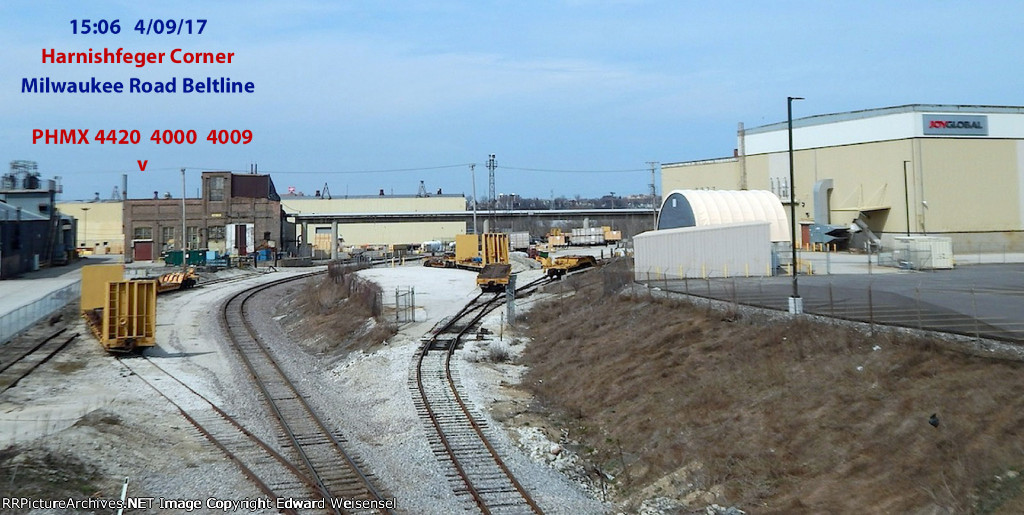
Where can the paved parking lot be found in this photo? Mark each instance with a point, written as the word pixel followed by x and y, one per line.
pixel 985 300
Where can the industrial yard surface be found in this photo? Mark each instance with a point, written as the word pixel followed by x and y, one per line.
pixel 604 401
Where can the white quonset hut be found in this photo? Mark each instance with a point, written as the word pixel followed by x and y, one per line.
pixel 727 250
pixel 939 170
pixel 701 208
pixel 705 233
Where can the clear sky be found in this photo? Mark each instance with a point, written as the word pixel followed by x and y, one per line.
pixel 370 95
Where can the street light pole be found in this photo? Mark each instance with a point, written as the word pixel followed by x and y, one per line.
pixel 906 195
pixel 796 304
pixel 184 242
pixel 85 227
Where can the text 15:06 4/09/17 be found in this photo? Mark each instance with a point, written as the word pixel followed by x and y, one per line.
pixel 145 27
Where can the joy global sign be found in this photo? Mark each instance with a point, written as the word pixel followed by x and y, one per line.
pixel 955 125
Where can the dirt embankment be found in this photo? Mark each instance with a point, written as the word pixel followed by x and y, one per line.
pixel 335 314
pixel 697 406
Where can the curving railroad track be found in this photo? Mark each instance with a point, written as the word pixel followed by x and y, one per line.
pixel 459 439
pixel 312 463
pixel 321 452
pixel 273 473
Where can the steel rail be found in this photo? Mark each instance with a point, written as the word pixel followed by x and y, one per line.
pixel 237 305
pixel 6 384
pixel 482 310
pixel 209 435
pixel 228 418
pixel 30 350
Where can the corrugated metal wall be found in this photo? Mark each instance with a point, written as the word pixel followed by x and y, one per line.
pixel 696 252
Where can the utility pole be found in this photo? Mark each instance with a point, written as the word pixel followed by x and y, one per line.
pixel 472 177
pixel 741 151
pixel 654 194
pixel 491 165
pixel 184 243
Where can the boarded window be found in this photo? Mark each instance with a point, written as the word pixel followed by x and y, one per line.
pixel 216 232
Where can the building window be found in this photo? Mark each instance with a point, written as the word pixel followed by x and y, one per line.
pixel 216 188
pixel 143 233
pixel 166 235
pixel 193 237
pixel 216 232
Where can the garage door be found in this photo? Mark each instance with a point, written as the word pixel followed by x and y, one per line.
pixel 143 250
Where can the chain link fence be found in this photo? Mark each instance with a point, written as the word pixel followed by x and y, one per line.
pixel 976 306
pixel 405 305
pixel 13 323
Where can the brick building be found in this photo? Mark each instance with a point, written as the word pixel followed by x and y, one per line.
pixel 236 214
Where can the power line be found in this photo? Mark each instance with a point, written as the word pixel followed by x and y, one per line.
pixel 392 170
pixel 353 172
pixel 548 170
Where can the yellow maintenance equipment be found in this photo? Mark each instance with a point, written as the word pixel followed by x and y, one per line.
pixel 470 254
pixel 494 277
pixel 495 248
pixel 558 266
pixel 467 251
pixel 94 280
pixel 122 314
pixel 174 281
pixel 611 236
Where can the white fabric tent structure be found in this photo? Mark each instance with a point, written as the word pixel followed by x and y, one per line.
pixel 702 208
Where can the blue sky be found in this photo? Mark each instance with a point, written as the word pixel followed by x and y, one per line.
pixel 347 93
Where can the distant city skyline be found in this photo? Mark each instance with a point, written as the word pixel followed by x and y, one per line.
pixel 574 97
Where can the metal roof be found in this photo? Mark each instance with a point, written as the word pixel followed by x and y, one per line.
pixel 822 119
pixel 10 213
pixel 437 216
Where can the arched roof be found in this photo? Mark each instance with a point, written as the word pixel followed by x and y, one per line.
pixel 700 208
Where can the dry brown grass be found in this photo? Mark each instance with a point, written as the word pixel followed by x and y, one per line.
pixel 40 474
pixel 775 417
pixel 336 314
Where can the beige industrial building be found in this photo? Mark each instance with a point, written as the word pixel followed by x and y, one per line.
pixel 941 170
pixel 384 233
pixel 100 228
pixel 101 224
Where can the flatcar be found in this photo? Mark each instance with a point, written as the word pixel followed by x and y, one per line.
pixel 494 277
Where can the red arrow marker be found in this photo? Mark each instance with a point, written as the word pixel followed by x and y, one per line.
pixel 142 165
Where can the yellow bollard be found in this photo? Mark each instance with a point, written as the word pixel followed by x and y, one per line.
pixel 703 271
pixel 725 270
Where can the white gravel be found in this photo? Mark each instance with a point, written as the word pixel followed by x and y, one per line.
pixel 366 396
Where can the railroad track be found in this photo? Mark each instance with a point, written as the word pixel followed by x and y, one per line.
pixel 321 452
pixel 459 439
pixel 273 473
pixel 21 360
